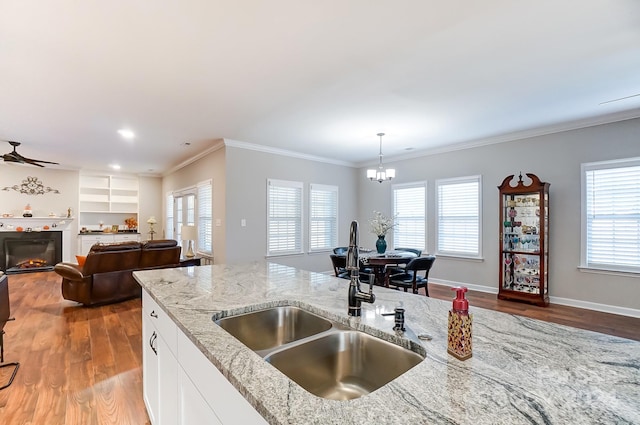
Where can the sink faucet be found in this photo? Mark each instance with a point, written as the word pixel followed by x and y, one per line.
pixel 356 296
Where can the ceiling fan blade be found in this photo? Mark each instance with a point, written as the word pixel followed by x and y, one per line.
pixel 32 162
pixel 9 157
pixel 16 157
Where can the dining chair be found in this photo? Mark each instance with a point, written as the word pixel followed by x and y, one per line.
pixel 418 252
pixel 339 263
pixel 411 278
pixel 399 268
pixel 4 318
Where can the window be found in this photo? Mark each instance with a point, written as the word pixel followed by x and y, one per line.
pixel 191 206
pixel 284 222
pixel 205 217
pixel 409 209
pixel 458 219
pixel 323 217
pixel 169 220
pixel 611 215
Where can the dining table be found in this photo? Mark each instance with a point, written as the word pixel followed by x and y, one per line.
pixel 382 263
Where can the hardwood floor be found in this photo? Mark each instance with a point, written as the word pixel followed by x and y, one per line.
pixel 77 365
pixel 82 366
pixel 607 323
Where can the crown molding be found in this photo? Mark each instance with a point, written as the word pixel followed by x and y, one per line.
pixel 514 136
pixel 284 152
pixel 219 144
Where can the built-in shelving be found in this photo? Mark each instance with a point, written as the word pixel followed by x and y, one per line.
pixel 107 199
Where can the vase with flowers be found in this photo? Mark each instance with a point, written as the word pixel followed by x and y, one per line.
pixel 380 225
pixel 132 223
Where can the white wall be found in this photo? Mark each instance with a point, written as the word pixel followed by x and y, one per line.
pixel 13 202
pixel 554 158
pixel 150 204
pixel 247 174
pixel 211 166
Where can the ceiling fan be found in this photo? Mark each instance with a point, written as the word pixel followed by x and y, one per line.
pixel 17 158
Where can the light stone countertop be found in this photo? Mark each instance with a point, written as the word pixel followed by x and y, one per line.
pixel 523 371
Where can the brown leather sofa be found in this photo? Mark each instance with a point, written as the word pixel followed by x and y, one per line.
pixel 107 274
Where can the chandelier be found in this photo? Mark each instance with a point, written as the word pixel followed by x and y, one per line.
pixel 380 174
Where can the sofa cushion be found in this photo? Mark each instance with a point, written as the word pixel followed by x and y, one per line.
pixel 118 246
pixel 104 258
pixel 160 253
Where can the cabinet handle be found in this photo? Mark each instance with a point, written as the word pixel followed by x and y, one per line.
pixel 152 340
pixel 153 314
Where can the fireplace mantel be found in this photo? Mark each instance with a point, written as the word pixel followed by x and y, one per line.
pixel 56 224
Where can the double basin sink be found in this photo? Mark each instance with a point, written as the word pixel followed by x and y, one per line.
pixel 325 358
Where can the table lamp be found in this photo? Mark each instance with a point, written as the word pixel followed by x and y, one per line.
pixel 189 234
pixel 152 220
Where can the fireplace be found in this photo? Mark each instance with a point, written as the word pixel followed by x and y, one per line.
pixel 24 252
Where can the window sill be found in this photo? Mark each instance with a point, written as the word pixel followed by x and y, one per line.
pixel 459 257
pixel 610 272
pixel 286 254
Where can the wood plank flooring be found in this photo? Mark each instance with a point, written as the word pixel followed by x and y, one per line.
pixel 77 365
pixel 82 366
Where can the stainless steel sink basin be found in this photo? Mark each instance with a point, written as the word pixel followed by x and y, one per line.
pixel 274 327
pixel 343 365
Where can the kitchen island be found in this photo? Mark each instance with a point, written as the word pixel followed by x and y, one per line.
pixel 522 371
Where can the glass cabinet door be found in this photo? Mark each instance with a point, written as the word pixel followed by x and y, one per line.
pixel 523 252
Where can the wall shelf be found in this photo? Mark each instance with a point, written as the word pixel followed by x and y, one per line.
pixel 109 199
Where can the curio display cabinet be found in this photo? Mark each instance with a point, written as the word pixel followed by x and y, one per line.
pixel 524 243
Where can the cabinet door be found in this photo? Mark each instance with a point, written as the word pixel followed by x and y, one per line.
pixel 150 370
pixel 89 241
pixel 193 408
pixel 223 398
pixel 167 384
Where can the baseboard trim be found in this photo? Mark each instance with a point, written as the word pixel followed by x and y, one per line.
pixel 605 308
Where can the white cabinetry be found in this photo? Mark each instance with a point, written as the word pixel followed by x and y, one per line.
pixel 107 198
pixel 160 366
pixel 191 390
pixel 85 242
pixel 194 409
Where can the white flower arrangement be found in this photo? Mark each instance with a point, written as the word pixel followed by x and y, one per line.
pixel 381 224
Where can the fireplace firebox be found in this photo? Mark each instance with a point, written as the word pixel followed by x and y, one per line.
pixel 23 252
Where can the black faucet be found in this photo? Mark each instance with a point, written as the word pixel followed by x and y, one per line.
pixel 356 296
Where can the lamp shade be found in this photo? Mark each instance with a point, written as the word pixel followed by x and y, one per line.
pixel 152 220
pixel 189 233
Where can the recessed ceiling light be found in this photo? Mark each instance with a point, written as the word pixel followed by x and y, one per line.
pixel 126 134
pixel 114 166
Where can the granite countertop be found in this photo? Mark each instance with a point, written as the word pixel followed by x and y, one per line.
pixel 523 371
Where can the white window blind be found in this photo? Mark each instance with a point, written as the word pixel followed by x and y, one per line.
pixel 323 217
pixel 205 217
pixel 459 216
pixel 284 222
pixel 169 220
pixel 611 217
pixel 409 208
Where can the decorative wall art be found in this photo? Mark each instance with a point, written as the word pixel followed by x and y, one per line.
pixel 32 186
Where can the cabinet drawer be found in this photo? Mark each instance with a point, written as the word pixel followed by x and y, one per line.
pixel 160 320
pixel 124 238
pixel 98 238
